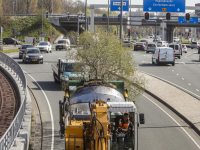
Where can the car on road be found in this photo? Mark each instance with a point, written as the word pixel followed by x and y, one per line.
pixel 45 47
pixel 144 41
pixel 151 48
pixel 140 46
pixel 155 39
pixel 135 38
pixel 162 43
pixel 151 36
pixel 129 43
pixel 62 44
pixel 195 45
pixel 177 49
pixel 32 55
pixel 163 55
pixel 10 41
pixel 23 48
pixel 181 48
pixel 176 39
pixel 184 48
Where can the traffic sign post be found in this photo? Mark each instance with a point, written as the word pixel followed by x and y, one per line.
pixel 115 5
pixel 177 6
pixel 193 20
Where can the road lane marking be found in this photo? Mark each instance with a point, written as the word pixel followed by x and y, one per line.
pixel 173 70
pixel 182 78
pixel 169 67
pixel 51 114
pixel 174 121
pixel 177 74
pixel 189 84
pixel 197 90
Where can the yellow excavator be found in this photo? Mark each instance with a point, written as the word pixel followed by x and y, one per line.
pixel 90 114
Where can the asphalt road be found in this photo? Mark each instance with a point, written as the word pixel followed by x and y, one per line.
pixel 160 131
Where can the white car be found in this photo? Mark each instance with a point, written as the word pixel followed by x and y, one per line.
pixel 177 49
pixel 62 44
pixel 176 39
pixel 163 55
pixel 162 43
pixel 151 36
pixel 45 47
pixel 184 48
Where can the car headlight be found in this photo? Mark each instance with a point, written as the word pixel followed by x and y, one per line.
pixel 27 56
pixel 41 56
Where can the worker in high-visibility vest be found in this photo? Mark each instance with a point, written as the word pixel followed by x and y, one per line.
pixel 124 125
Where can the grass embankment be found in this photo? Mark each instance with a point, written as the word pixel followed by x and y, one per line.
pixel 10 50
pixel 29 26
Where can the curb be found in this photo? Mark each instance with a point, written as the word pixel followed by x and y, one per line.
pixel 169 106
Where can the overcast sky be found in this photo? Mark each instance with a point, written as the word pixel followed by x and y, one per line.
pixel 138 2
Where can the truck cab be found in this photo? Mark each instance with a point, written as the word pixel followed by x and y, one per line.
pixel 65 70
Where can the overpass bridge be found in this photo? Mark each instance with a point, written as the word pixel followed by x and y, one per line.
pixel 167 25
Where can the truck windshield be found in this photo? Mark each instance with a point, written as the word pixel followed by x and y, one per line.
pixel 68 67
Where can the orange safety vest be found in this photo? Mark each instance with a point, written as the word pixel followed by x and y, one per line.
pixel 124 125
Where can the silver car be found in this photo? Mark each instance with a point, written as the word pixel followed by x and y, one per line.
pixel 195 45
pixel 151 48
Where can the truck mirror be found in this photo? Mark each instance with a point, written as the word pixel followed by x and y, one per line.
pixel 142 120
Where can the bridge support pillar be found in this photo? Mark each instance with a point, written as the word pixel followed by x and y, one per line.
pixel 170 34
pixel 163 26
pixel 92 20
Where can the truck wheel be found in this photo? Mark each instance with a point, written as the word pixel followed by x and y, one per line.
pixel 179 57
pixel 191 48
pixel 173 64
pixel 157 63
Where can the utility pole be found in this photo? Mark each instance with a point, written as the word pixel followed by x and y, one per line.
pixel 85 15
pixel 108 15
pixel 121 19
pixel 52 8
pixel 13 8
pixel 15 21
pixel 78 31
pixel 42 17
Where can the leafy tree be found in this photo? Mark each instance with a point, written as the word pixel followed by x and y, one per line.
pixel 107 59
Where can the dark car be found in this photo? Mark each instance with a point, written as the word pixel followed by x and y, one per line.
pixel 23 48
pixel 145 41
pixel 32 55
pixel 10 41
pixel 139 46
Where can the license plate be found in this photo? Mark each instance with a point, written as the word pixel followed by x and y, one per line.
pixel 163 59
pixel 60 47
pixel 34 60
pixel 139 46
pixel 41 49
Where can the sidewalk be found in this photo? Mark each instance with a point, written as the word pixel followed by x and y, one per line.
pixel 185 105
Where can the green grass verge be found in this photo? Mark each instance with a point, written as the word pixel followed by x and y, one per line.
pixel 10 50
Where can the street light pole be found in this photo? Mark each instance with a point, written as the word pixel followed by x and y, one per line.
pixel 15 21
pixel 42 16
pixel 108 15
pixel 121 20
pixel 52 7
pixel 13 8
pixel 78 31
pixel 85 15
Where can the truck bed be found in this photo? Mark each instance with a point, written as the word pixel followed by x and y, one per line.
pixel 55 68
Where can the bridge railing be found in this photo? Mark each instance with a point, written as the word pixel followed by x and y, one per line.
pixel 9 136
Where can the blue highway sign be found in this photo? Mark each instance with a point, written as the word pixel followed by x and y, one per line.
pixel 177 6
pixel 115 5
pixel 193 20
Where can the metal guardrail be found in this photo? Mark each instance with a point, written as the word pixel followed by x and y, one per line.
pixel 9 136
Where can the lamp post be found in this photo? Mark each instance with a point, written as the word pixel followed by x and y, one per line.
pixel 52 7
pixel 85 15
pixel 42 16
pixel 78 30
pixel 15 21
pixel 108 16
pixel 13 8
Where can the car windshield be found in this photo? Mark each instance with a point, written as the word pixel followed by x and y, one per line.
pixel 194 42
pixel 139 43
pixel 62 41
pixel 174 47
pixel 151 45
pixel 26 46
pixel 33 51
pixel 68 67
pixel 43 43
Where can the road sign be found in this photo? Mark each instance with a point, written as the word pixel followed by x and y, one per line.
pixel 177 6
pixel 193 20
pixel 115 5
pixel 151 21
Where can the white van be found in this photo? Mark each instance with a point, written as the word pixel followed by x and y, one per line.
pixel 162 43
pixel 177 49
pixel 62 44
pixel 163 55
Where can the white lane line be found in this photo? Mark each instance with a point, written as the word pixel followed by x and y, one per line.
pixel 182 78
pixel 173 70
pixel 189 84
pixel 197 90
pixel 174 121
pixel 51 114
pixel 199 65
pixel 169 67
pixel 177 74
